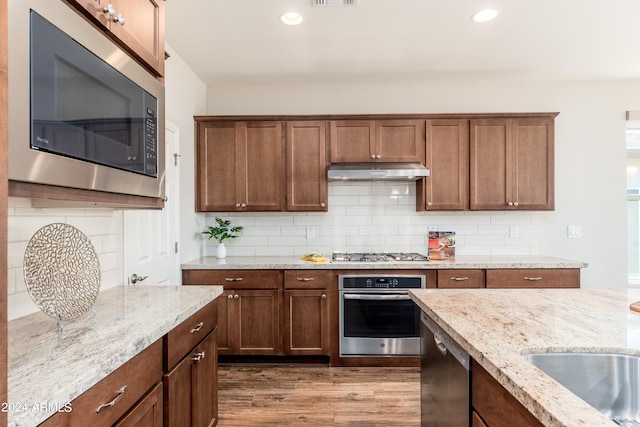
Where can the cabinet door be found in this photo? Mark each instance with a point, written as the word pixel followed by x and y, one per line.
pixel 534 278
pixel 306 166
pixel 512 164
pixel 400 141
pixel 142 30
pixel 491 170
pixel 216 167
pixel 257 322
pixel 306 322
pixel 147 412
pixel 261 156
pixel 190 388
pixel 533 155
pixel 447 158
pixel 224 337
pixel 352 141
pixel 205 357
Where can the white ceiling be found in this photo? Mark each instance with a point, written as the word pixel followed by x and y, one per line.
pixel 243 41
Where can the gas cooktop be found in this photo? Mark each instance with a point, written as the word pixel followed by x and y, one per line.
pixel 377 257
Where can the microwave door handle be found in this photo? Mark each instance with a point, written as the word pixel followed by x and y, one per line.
pixel 394 297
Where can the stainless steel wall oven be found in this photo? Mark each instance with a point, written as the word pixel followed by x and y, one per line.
pixel 377 316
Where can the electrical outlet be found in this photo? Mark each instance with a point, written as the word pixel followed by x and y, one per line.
pixel 311 232
pixel 574 231
pixel 514 231
pixel 433 228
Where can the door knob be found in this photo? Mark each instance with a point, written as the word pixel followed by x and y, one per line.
pixel 135 278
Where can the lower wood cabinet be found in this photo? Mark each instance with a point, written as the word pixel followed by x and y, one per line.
pixel 191 387
pixel 306 312
pixel 493 405
pixel 117 394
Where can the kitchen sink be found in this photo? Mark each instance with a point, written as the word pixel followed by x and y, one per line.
pixel 607 381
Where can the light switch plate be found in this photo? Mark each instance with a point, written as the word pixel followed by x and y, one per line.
pixel 514 231
pixel 311 232
pixel 433 228
pixel 574 231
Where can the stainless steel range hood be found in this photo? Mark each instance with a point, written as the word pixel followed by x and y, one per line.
pixel 376 172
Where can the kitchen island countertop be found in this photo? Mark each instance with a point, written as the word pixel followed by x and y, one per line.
pixel 293 262
pixel 497 326
pixel 47 368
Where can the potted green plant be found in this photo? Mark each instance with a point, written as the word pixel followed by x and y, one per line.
pixel 221 232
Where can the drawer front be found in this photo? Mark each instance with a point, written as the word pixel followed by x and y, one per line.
pixel 461 278
pixel 534 278
pixel 234 279
pixel 184 337
pixel 306 279
pixel 123 387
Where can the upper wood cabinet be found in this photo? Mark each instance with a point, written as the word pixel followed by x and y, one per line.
pixel 512 164
pixel 239 166
pixel 138 26
pixel 447 158
pixel 377 140
pixel 306 166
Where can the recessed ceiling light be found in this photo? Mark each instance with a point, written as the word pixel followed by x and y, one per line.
pixel 485 15
pixel 291 18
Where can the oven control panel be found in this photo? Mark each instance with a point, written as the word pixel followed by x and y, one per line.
pixel 357 281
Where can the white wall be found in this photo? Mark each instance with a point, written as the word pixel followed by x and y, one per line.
pixel 185 97
pixel 590 145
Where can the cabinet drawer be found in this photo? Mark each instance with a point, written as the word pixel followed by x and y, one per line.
pixel 236 279
pixel 184 337
pixel 461 278
pixel 534 278
pixel 306 279
pixel 124 387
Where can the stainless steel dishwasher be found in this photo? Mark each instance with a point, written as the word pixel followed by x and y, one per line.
pixel 444 378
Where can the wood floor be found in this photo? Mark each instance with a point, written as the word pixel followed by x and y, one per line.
pixel 318 395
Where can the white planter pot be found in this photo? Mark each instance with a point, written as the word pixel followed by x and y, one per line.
pixel 221 251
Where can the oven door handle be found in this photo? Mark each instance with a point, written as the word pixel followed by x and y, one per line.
pixel 395 297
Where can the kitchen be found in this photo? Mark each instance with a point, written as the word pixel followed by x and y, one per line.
pixel 591 115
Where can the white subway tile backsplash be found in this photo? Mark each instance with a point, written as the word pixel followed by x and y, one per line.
pixel 379 217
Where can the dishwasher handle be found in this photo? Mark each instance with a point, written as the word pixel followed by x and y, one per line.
pixel 374 297
pixel 440 345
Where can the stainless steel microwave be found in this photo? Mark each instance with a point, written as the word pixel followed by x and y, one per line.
pixel 82 113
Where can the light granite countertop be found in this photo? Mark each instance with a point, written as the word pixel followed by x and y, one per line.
pixel 291 263
pixel 498 326
pixel 45 367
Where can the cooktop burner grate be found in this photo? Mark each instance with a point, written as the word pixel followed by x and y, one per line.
pixel 377 257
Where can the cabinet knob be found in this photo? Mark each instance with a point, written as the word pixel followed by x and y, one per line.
pixel 515 204
pixel 323 296
pixel 429 203
pixel 322 205
pixel 510 204
pixel 119 19
pixel 373 156
pixel 237 205
pixel 230 296
pixel 378 156
pixel 236 296
pixel 243 205
pixel 109 10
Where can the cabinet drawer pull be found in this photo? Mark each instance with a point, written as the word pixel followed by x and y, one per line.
pixel 305 279
pixel 459 279
pixel 233 279
pixel 114 401
pixel 533 279
pixel 323 296
pixel 197 328
pixel 198 356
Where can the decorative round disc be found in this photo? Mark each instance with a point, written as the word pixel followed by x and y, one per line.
pixel 62 271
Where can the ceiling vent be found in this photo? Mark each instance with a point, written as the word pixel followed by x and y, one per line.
pixel 335 2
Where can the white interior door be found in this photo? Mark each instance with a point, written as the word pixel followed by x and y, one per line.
pixel 151 236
